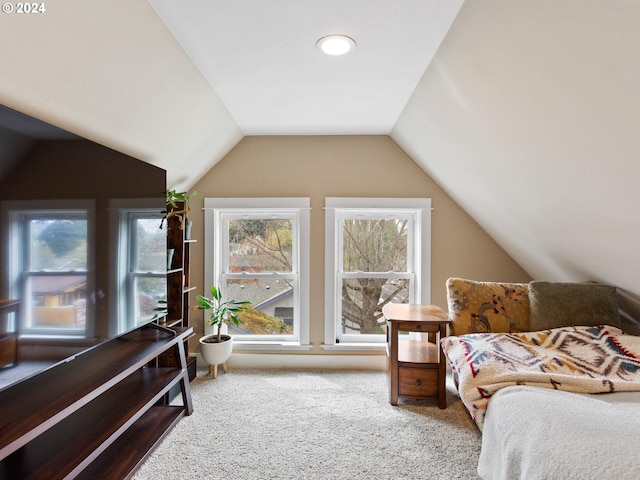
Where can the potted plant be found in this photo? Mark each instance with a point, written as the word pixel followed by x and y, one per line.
pixel 216 348
pixel 161 310
pixel 178 205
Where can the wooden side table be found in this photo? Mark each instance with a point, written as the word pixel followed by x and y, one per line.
pixel 416 366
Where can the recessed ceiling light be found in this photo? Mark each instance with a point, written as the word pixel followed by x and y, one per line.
pixel 336 44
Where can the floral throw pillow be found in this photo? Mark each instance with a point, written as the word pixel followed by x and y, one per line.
pixel 483 307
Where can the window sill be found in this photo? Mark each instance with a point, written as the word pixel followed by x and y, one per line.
pixel 356 347
pixel 269 346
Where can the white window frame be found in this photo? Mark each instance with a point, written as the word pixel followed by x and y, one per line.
pixel 20 211
pixel 123 213
pixel 418 259
pixel 216 211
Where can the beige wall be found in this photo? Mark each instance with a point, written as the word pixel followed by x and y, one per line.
pixel 347 166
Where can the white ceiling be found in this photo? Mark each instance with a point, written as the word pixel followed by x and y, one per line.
pixel 260 58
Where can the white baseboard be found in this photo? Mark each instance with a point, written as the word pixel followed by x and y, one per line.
pixel 274 360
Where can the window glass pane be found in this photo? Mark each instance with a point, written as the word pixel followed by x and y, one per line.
pixel 151 246
pixel 363 299
pixel 375 245
pixel 147 292
pixel 260 245
pixel 58 301
pixel 272 306
pixel 260 251
pixel 57 244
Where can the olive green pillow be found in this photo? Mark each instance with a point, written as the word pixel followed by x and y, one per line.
pixel 553 305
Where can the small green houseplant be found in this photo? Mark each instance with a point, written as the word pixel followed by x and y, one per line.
pixel 221 312
pixel 174 199
pixel 216 348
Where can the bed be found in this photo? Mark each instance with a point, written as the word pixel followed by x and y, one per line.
pixel 549 377
pixel 537 433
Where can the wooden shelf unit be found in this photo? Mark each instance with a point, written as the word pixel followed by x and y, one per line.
pixel 98 414
pixel 179 279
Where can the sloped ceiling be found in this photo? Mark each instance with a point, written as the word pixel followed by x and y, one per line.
pixel 261 58
pixel 527 115
pixel 111 72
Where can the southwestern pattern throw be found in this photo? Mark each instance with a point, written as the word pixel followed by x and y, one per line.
pixel 597 359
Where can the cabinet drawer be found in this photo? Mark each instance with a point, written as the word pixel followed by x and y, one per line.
pixel 418 382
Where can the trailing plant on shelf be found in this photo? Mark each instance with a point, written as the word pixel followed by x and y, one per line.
pixel 178 205
pixel 161 310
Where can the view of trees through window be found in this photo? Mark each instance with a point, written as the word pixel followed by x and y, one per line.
pixel 56 269
pixel 262 250
pixel 58 244
pixel 374 266
pixel 148 265
pixel 261 244
pixel 374 257
pixel 56 275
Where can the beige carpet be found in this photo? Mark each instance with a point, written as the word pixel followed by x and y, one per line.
pixel 280 424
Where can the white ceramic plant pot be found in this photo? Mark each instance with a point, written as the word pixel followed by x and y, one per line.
pixel 216 353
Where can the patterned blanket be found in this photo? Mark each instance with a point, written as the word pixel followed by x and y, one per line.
pixel 598 359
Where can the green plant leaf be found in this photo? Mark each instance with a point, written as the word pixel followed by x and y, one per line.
pixel 222 312
pixel 215 292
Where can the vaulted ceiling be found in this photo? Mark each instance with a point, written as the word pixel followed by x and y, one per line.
pixel 261 59
pixel 527 113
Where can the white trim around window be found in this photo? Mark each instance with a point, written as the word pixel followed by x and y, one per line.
pixel 21 271
pixel 215 210
pixel 122 216
pixel 418 256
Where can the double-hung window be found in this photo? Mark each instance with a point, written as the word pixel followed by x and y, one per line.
pixel 51 259
pixel 377 251
pixel 257 249
pixel 142 265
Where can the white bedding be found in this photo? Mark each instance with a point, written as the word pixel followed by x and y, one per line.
pixel 537 433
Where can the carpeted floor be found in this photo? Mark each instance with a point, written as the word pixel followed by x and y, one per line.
pixel 280 424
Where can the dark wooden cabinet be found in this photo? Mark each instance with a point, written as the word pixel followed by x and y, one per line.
pixel 97 415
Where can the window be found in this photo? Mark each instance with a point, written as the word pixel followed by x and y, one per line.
pixel 147 272
pixel 258 250
pixel 51 267
pixel 142 260
pixel 377 251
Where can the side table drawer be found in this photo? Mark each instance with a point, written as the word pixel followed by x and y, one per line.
pixel 418 382
pixel 413 327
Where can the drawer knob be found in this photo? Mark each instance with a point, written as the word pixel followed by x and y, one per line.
pixel 418 383
pixel 419 327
